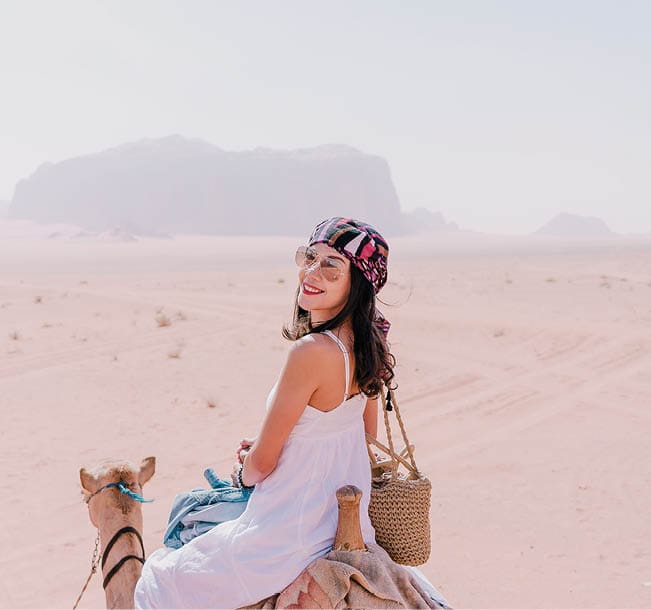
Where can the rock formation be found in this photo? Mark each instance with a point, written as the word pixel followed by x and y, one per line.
pixel 573 225
pixel 422 220
pixel 178 185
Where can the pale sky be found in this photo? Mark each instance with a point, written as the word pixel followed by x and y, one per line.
pixel 498 114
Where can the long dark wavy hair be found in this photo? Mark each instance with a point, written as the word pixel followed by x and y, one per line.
pixel 373 361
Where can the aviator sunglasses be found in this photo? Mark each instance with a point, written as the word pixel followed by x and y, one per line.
pixel 331 268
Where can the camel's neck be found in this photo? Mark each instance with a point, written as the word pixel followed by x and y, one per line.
pixel 119 591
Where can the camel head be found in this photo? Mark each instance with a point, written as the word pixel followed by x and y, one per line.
pixel 113 492
pixel 106 502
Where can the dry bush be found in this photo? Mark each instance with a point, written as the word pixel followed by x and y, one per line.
pixel 499 332
pixel 550 279
pixel 14 335
pixel 38 299
pixel 162 319
pixel 181 315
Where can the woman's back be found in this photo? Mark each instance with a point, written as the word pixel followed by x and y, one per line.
pixel 290 520
pixel 329 395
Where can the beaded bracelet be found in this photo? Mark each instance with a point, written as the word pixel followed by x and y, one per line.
pixel 239 479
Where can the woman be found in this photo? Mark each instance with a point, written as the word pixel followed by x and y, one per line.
pixel 312 440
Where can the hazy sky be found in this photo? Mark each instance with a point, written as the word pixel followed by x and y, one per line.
pixel 498 114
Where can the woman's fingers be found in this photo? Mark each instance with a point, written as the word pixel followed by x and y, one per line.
pixel 245 445
pixel 241 455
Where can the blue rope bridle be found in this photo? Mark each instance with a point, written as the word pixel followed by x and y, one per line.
pixel 122 486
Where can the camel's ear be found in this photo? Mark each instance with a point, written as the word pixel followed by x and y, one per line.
pixel 147 469
pixel 88 481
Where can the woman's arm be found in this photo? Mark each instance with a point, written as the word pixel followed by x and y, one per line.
pixel 370 417
pixel 298 380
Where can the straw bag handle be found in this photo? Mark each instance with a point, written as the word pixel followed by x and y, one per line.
pixel 388 401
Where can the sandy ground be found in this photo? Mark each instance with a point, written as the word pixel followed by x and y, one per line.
pixel 524 373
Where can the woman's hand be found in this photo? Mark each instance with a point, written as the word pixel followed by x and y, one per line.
pixel 243 449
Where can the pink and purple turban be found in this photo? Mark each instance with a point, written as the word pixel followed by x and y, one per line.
pixel 363 246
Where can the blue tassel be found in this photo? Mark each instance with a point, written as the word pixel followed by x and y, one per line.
pixel 125 490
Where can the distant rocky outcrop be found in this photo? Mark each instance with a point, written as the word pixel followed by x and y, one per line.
pixel 573 225
pixel 422 220
pixel 116 235
pixel 178 185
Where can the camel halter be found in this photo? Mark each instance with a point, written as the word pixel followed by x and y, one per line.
pixel 124 489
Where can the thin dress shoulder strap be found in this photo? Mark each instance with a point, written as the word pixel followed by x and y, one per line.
pixel 343 349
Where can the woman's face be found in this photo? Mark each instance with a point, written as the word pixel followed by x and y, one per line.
pixel 330 301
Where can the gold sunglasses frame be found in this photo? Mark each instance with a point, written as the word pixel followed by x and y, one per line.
pixel 334 266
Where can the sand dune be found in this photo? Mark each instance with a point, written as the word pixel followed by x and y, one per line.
pixel 524 380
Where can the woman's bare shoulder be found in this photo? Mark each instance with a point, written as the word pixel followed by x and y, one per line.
pixel 314 348
pixel 312 341
pixel 305 360
pixel 308 347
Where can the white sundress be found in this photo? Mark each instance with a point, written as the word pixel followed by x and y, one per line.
pixel 290 519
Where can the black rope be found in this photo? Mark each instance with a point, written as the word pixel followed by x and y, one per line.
pixel 117 566
pixel 109 546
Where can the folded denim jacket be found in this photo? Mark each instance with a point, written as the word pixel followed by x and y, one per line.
pixel 199 510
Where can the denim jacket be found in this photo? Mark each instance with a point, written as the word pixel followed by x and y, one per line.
pixel 195 512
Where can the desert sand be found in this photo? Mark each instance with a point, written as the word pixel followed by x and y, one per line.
pixel 524 372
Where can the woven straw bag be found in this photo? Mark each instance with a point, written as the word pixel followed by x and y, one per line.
pixel 400 501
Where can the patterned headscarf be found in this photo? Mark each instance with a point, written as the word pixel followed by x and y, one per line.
pixel 363 246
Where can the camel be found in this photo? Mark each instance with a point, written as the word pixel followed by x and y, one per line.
pixel 118 517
